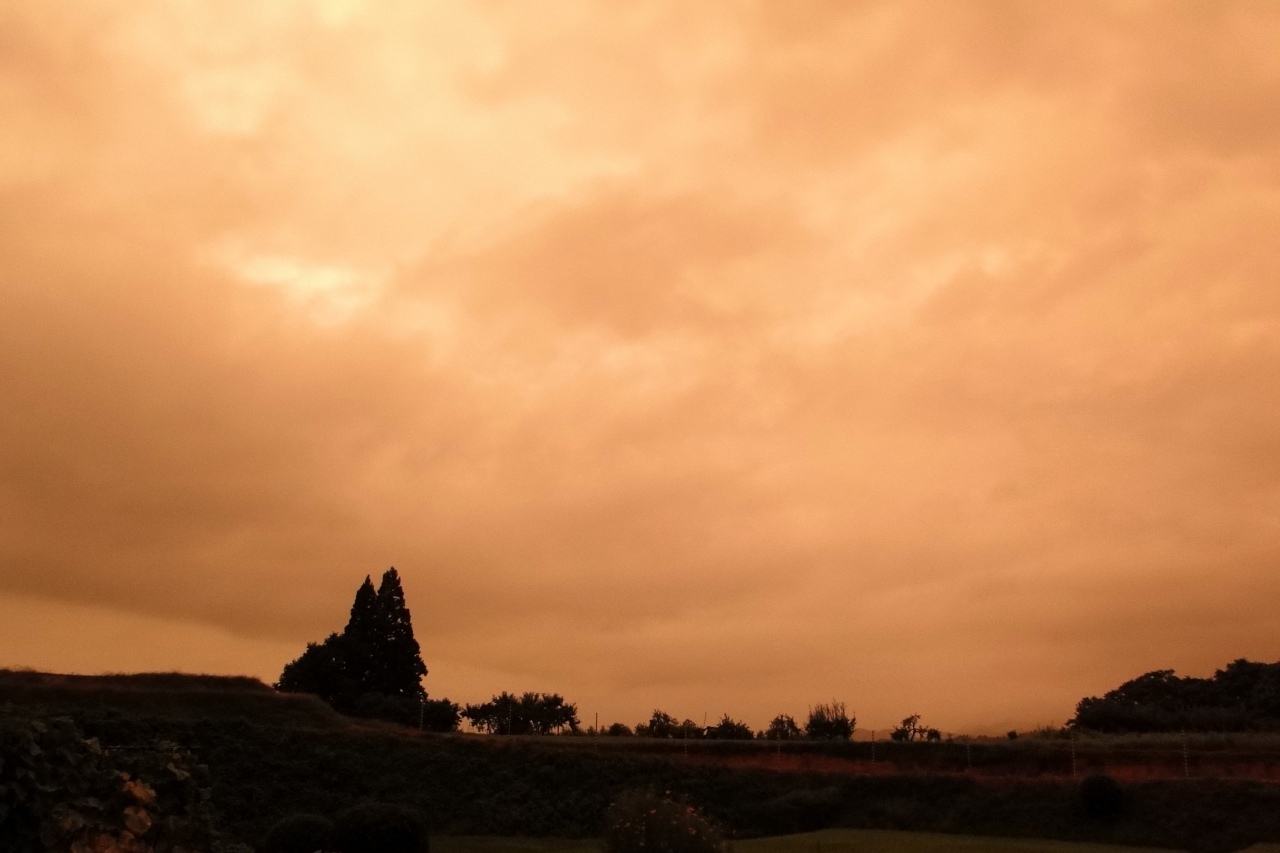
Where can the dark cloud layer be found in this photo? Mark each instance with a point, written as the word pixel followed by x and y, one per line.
pixel 722 358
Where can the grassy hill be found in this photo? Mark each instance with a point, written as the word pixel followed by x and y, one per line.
pixel 270 755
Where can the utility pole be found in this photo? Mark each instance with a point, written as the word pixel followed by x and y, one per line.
pixel 422 711
pixel 1186 759
pixel 873 744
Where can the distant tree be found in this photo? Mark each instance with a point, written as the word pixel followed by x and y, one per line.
pixel 689 730
pixel 1244 696
pixel 1013 735
pixel 619 730
pixel 660 725
pixel 529 714
pixel 374 667
pixel 911 729
pixel 829 722
pixel 782 727
pixel 729 729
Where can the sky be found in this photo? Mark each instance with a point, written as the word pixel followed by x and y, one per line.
pixel 716 357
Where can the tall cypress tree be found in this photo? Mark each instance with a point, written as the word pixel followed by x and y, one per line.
pixel 399 665
pixel 361 640
pixel 375 654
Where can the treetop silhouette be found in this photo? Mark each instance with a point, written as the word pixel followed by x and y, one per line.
pixel 374 660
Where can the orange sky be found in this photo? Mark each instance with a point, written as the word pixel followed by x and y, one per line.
pixel 712 357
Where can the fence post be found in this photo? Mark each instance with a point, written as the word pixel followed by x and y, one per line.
pixel 1186 759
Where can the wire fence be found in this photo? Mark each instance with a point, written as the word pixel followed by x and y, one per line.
pixel 1137 757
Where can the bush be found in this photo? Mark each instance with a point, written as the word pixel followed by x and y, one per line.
pixel 645 822
pixel 59 791
pixel 379 828
pixel 829 722
pixel 1101 797
pixel 434 715
pixel 299 833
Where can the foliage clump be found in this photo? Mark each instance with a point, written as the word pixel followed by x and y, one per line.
pixel 648 822
pixel 782 727
pixel 1245 696
pixel 729 729
pixel 529 714
pixel 374 667
pixel 1101 797
pixel 911 729
pixel 299 833
pixel 663 725
pixel 380 828
pixel 829 721
pixel 62 792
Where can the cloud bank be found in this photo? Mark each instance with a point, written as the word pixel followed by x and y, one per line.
pixel 716 358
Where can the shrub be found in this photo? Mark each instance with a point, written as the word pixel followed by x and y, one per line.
pixel 299 833
pixel 730 729
pixel 829 722
pixel 782 727
pixel 646 822
pixel 379 828
pixel 1101 797
pixel 61 792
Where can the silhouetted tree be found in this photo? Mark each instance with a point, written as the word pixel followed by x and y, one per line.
pixel 322 669
pixel 782 727
pixel 619 730
pixel 530 714
pixel 689 730
pixel 661 724
pixel 1244 696
pixel 398 658
pixel 829 722
pixel 729 729
pixel 912 729
pixel 374 667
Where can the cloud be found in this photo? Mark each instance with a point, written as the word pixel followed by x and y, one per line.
pixel 921 355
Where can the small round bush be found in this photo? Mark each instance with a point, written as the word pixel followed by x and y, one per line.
pixel 379 828
pixel 1101 797
pixel 647 822
pixel 299 833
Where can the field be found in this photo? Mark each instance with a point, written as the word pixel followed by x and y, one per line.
pixel 826 841
pixel 269 755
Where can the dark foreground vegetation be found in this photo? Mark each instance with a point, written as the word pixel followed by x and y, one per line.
pixel 263 756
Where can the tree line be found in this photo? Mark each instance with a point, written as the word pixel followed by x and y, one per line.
pixel 373 668
pixel 1243 696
